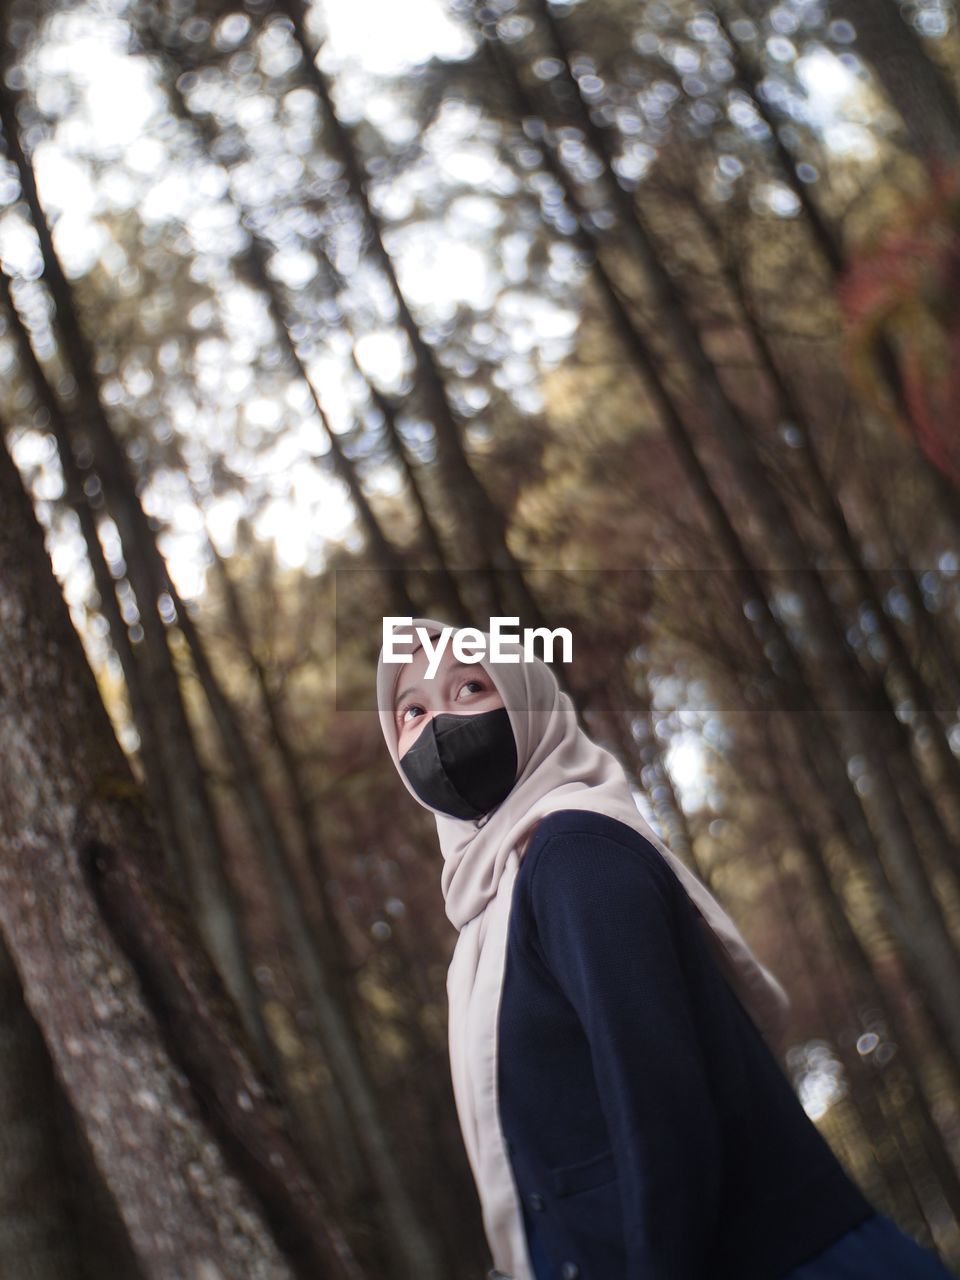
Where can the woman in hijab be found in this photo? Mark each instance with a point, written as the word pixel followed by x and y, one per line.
pixel 609 1028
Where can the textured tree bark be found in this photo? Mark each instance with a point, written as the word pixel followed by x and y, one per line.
pixel 37 1240
pixel 142 1036
pixel 71 1231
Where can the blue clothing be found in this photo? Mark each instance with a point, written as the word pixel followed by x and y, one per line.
pixel 652 1133
pixel 876 1249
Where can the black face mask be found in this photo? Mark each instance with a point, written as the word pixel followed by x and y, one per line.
pixel 463 765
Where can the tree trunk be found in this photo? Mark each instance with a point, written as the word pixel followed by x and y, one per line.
pixel 411 1238
pixel 932 723
pixel 484 525
pixel 151 757
pixel 71 1231
pixel 857 965
pixel 212 896
pixel 827 243
pixel 385 555
pixel 37 1231
pixel 131 1014
pixel 859 728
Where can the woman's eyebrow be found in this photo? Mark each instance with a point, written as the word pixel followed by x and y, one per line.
pixel 454 666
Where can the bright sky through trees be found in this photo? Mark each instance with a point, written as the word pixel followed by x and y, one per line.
pixel 109 153
pixel 110 108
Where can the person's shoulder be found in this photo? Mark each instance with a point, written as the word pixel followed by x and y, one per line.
pixel 574 845
pixel 564 825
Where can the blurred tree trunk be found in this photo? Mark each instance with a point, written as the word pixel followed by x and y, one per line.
pixel 932 723
pixel 866 711
pixel 110 970
pixel 860 729
pixel 642 754
pixel 385 555
pixel 151 758
pixel 826 240
pixel 884 1175
pixel 348 1178
pixel 254 267
pixel 442 590
pixel 216 906
pixel 767 638
pixel 320 962
pixel 858 968
pixel 932 627
pixel 212 895
pixel 319 966
pixel 749 76
pixel 483 523
pixel 917 87
pixel 442 586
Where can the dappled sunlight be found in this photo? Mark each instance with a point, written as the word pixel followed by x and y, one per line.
pixel 818 1075
pixel 386 39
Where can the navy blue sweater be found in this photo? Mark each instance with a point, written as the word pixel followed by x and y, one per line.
pixel 652 1133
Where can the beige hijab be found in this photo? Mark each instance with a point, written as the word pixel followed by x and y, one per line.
pixel 559 767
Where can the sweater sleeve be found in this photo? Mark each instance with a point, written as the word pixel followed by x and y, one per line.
pixel 607 929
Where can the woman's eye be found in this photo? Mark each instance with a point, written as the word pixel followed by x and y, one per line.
pixel 468 683
pixel 411 707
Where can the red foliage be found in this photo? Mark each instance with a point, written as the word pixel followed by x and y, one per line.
pixel 904 293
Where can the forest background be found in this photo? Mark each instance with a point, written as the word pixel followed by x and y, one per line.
pixel 640 319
